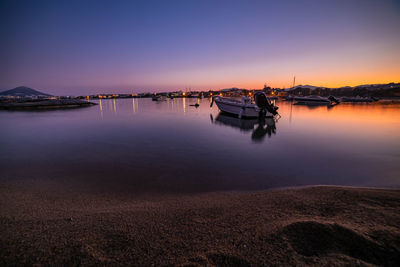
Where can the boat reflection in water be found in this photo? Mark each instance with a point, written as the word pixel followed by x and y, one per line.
pixel 260 127
pixel 266 126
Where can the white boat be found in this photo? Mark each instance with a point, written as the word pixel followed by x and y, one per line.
pixel 316 100
pixel 158 98
pixel 288 98
pixel 244 107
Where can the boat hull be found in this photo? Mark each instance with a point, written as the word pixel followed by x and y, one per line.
pixel 313 101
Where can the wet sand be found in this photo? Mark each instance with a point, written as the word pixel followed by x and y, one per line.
pixel 306 226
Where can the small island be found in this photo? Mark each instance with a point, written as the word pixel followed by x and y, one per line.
pixel 25 98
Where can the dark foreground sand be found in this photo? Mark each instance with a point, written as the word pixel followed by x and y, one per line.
pixel 309 226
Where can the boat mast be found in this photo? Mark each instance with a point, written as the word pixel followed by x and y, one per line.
pixel 294 80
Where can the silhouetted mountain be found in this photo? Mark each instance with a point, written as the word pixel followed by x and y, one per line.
pixel 23 91
pixel 310 87
pixel 368 90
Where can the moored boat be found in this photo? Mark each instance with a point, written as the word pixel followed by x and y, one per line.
pixel 316 100
pixel 245 107
pixel 158 98
pixel 288 98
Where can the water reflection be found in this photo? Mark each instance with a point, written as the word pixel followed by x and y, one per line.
pixel 101 108
pixel 170 146
pixel 260 127
pixel 266 126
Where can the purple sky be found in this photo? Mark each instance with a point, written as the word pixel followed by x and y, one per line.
pixel 84 47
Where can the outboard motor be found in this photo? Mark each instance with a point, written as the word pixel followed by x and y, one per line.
pixel 212 102
pixel 264 104
pixel 334 99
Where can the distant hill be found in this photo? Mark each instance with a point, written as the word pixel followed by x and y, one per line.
pixel 23 91
pixel 371 90
pixel 311 87
pixel 370 87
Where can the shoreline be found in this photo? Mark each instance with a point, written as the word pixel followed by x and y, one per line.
pixel 357 226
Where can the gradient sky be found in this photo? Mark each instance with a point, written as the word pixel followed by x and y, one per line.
pixel 83 47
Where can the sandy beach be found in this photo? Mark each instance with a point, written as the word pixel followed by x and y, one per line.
pixel 306 226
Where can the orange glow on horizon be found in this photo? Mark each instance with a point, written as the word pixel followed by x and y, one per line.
pixel 327 82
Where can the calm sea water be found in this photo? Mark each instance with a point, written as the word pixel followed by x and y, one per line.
pixel 141 146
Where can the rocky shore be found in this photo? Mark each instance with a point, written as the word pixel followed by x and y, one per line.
pixel 309 226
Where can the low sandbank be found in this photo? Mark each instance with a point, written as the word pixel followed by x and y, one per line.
pixel 308 226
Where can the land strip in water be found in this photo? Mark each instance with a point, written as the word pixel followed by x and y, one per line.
pixel 37 104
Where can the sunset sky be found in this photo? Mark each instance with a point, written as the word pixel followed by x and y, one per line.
pixel 82 47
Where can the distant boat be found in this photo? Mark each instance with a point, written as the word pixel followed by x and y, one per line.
pixel 158 98
pixel 245 107
pixel 358 99
pixel 289 97
pixel 194 96
pixel 316 100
